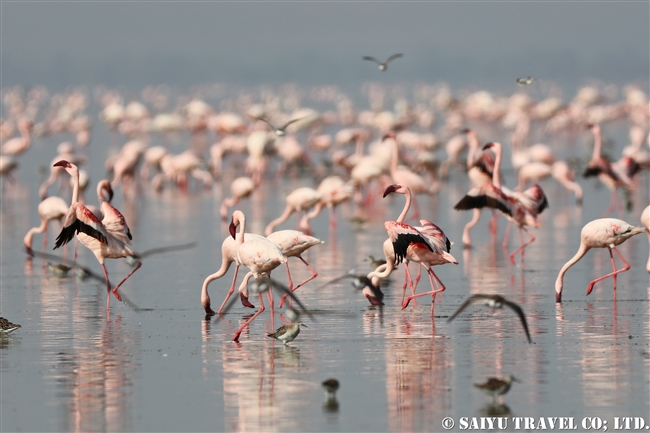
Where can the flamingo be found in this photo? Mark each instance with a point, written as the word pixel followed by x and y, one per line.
pixel 645 221
pixel 106 239
pixel 383 65
pixel 560 170
pixel 293 243
pixel 52 208
pixel 428 246
pixel 617 175
pixel 241 187
pixel 334 191
pixel 520 208
pixel 297 201
pixel 17 145
pixel 259 255
pixel 600 233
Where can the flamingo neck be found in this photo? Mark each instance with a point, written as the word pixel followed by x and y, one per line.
pixel 496 174
pixel 560 277
pixel 394 157
pixel 382 271
pixel 473 147
pixel 598 143
pixel 241 219
pixel 407 206
pixel 75 188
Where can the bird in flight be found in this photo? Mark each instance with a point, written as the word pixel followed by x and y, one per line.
pixel 494 301
pixel 279 131
pixel 383 66
pixel 525 81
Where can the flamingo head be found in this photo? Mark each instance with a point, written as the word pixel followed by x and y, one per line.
pixel 232 229
pixel 63 163
pixel 389 134
pixel 488 146
pixel 395 188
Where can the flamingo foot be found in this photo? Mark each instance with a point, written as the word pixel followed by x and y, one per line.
pixel 117 295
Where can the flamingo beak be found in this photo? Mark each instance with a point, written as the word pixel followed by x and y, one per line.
pixel 558 297
pixel 488 146
pixel 232 228
pixel 62 163
pixel 390 189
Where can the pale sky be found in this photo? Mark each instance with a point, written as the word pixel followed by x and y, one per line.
pixel 132 44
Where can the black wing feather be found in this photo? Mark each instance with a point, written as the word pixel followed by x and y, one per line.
pixel 481 201
pixel 401 244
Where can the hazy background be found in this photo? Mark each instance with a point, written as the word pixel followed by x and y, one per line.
pixel 483 44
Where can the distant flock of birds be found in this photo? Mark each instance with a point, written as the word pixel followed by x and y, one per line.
pixel 104 230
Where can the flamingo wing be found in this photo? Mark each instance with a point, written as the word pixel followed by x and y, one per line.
pixel 114 221
pixel 81 219
pixel 403 236
pixel 435 235
pixel 484 196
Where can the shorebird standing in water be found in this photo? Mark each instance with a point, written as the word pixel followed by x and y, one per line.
pixel 494 301
pixel 497 387
pixel 383 66
pixel 7 327
pixel 330 386
pixel 287 333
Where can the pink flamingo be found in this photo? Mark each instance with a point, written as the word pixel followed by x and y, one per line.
pixel 428 247
pixel 520 208
pixel 106 239
pixel 617 175
pixel 52 208
pixel 601 233
pixel 297 201
pixel 258 254
pixel 334 191
pixel 293 243
pixel 240 188
pixel 17 145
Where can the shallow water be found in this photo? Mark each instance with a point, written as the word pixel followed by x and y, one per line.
pixel 156 364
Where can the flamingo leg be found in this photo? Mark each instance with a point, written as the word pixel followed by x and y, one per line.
pixel 433 291
pixel 291 289
pixel 314 274
pixel 117 295
pixel 492 224
pixel 410 280
pixel 466 238
pixel 612 274
pixel 332 213
pixel 506 236
pixel 231 291
pixel 108 287
pixel 523 245
pixel 241 328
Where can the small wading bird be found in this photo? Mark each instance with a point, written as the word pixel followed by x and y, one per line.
pixel 601 233
pixel 7 327
pixel 497 387
pixel 287 333
pixel 494 301
pixel 383 66
pixel 279 131
pixel 106 239
pixel 330 386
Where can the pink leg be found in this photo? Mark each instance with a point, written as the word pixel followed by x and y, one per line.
pixel 231 291
pixel 467 242
pixel 291 289
pixel 410 280
pixel 506 236
pixel 117 295
pixel 330 209
pixel 238 333
pixel 523 245
pixel 613 274
pixel 108 288
pixel 433 291
pixel 314 274
pixel 492 225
